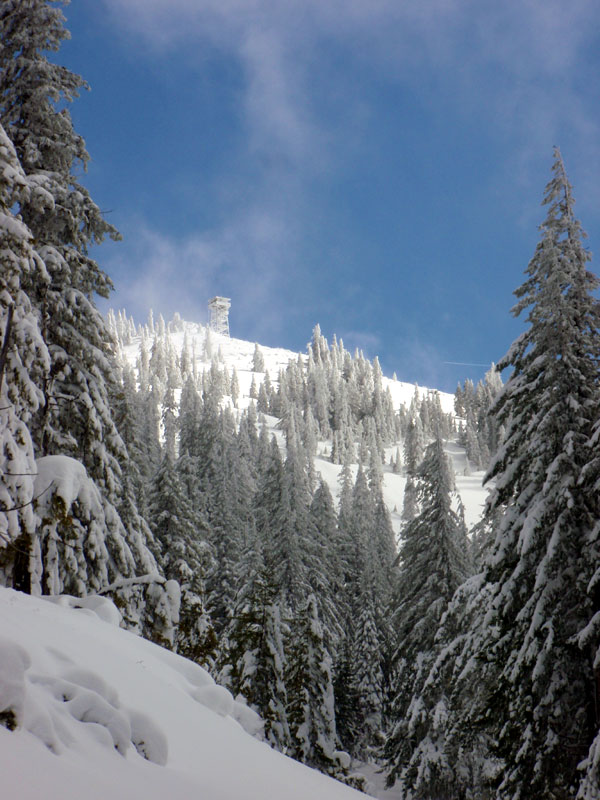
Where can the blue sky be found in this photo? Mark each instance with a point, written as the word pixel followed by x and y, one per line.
pixel 376 166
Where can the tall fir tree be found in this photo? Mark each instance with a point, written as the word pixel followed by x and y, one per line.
pixel 252 651
pixel 186 557
pixel 74 418
pixel 537 680
pixel 311 710
pixel 24 362
pixel 434 561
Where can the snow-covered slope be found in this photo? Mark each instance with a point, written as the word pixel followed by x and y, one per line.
pixel 88 710
pixel 101 713
pixel 238 354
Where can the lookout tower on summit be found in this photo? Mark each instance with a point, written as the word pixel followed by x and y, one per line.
pixel 218 311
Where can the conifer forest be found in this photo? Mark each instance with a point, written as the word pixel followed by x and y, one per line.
pixel 137 463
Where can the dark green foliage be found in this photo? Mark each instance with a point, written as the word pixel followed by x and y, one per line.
pixel 530 687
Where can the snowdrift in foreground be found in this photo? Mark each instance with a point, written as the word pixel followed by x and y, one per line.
pixel 88 710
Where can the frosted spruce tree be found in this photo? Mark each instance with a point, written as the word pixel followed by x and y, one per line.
pixel 24 363
pixel 73 418
pixel 537 698
pixel 311 711
pixel 359 684
pixel 326 575
pixel 252 660
pixel 433 563
pixel 186 557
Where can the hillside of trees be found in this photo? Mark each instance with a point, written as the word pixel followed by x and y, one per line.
pixel 463 663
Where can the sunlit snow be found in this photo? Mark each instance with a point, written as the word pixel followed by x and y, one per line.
pixel 238 354
pixel 101 713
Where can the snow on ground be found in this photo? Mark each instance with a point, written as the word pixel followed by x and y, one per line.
pixel 377 781
pixel 402 393
pixel 238 354
pixel 468 484
pixel 101 713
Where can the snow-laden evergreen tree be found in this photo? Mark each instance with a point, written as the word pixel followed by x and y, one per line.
pixel 235 388
pixel 291 553
pixel 252 662
pixel 228 510
pixel 366 673
pixel 346 699
pixel 326 572
pixel 479 433
pixel 359 684
pixel 82 547
pixel 258 360
pixel 24 363
pixel 537 696
pixel 343 425
pixel 311 711
pixel 185 556
pixel 433 563
pixel 414 443
pixel 75 416
pixel 262 398
pixel 253 393
pixel 137 467
pixel 318 346
pixel 475 459
pixel 384 549
pixel 444 755
pixel 74 419
pixel 190 410
pixel 410 506
pixel 170 422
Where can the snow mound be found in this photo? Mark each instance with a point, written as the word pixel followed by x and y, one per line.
pixel 94 605
pixel 14 661
pixel 201 686
pixel 216 698
pixel 247 718
pixel 72 706
pixel 68 479
pixel 148 739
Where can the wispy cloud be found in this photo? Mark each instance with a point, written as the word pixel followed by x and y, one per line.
pixel 365 341
pixel 512 62
pixel 242 259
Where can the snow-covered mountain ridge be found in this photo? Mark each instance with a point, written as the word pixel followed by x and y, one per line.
pixel 237 355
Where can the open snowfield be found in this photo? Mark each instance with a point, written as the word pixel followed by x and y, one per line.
pixel 91 699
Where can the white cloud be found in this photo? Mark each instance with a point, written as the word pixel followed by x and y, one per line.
pixel 244 259
pixel 515 63
pixel 277 107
